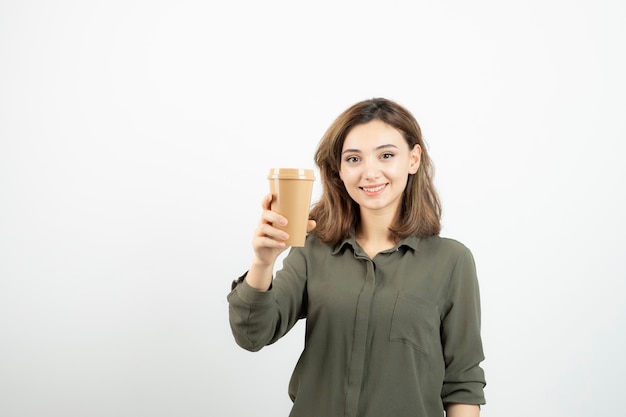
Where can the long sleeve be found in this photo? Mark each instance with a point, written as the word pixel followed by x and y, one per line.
pixel 462 345
pixel 259 318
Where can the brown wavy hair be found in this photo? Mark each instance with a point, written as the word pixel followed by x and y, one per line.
pixel 337 215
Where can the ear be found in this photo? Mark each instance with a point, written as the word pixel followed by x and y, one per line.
pixel 415 158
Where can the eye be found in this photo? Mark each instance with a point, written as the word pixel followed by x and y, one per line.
pixel 352 159
pixel 387 155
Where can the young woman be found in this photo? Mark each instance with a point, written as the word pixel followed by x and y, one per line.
pixel 392 309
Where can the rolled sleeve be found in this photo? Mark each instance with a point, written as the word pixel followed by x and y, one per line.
pixel 259 318
pixel 250 316
pixel 464 379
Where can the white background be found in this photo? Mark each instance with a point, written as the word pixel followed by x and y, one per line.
pixel 135 137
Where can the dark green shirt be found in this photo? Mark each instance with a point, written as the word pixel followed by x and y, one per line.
pixel 393 336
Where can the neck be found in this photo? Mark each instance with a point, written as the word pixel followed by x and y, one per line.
pixel 374 227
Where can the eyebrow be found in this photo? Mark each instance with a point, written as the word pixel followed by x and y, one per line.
pixel 377 148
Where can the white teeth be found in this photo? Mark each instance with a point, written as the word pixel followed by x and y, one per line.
pixel 373 190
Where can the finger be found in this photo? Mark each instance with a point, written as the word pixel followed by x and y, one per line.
pixel 310 225
pixel 268 242
pixel 266 203
pixel 267 230
pixel 273 217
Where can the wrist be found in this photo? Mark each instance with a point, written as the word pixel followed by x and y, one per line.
pixel 261 265
pixel 259 275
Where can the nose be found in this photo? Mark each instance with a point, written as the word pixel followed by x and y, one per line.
pixel 371 169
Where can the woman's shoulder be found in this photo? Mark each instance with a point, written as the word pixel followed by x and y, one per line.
pixel 442 244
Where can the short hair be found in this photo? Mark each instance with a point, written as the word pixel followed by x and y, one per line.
pixel 337 215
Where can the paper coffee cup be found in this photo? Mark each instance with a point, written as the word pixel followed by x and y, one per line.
pixel 291 189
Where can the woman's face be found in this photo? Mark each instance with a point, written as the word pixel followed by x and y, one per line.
pixel 375 164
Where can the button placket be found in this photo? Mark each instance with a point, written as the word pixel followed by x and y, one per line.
pixel 361 324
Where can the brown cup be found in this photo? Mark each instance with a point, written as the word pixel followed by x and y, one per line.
pixel 291 190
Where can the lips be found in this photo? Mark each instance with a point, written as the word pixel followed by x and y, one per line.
pixel 373 189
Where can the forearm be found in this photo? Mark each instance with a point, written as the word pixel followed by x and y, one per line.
pixel 259 276
pixel 462 410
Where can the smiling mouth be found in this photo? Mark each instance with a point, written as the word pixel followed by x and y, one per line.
pixel 373 189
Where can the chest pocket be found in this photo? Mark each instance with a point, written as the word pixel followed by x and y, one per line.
pixel 416 323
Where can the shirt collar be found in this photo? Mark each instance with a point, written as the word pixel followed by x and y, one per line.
pixel 410 242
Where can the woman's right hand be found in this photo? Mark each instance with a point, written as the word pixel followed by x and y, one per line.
pixel 268 242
